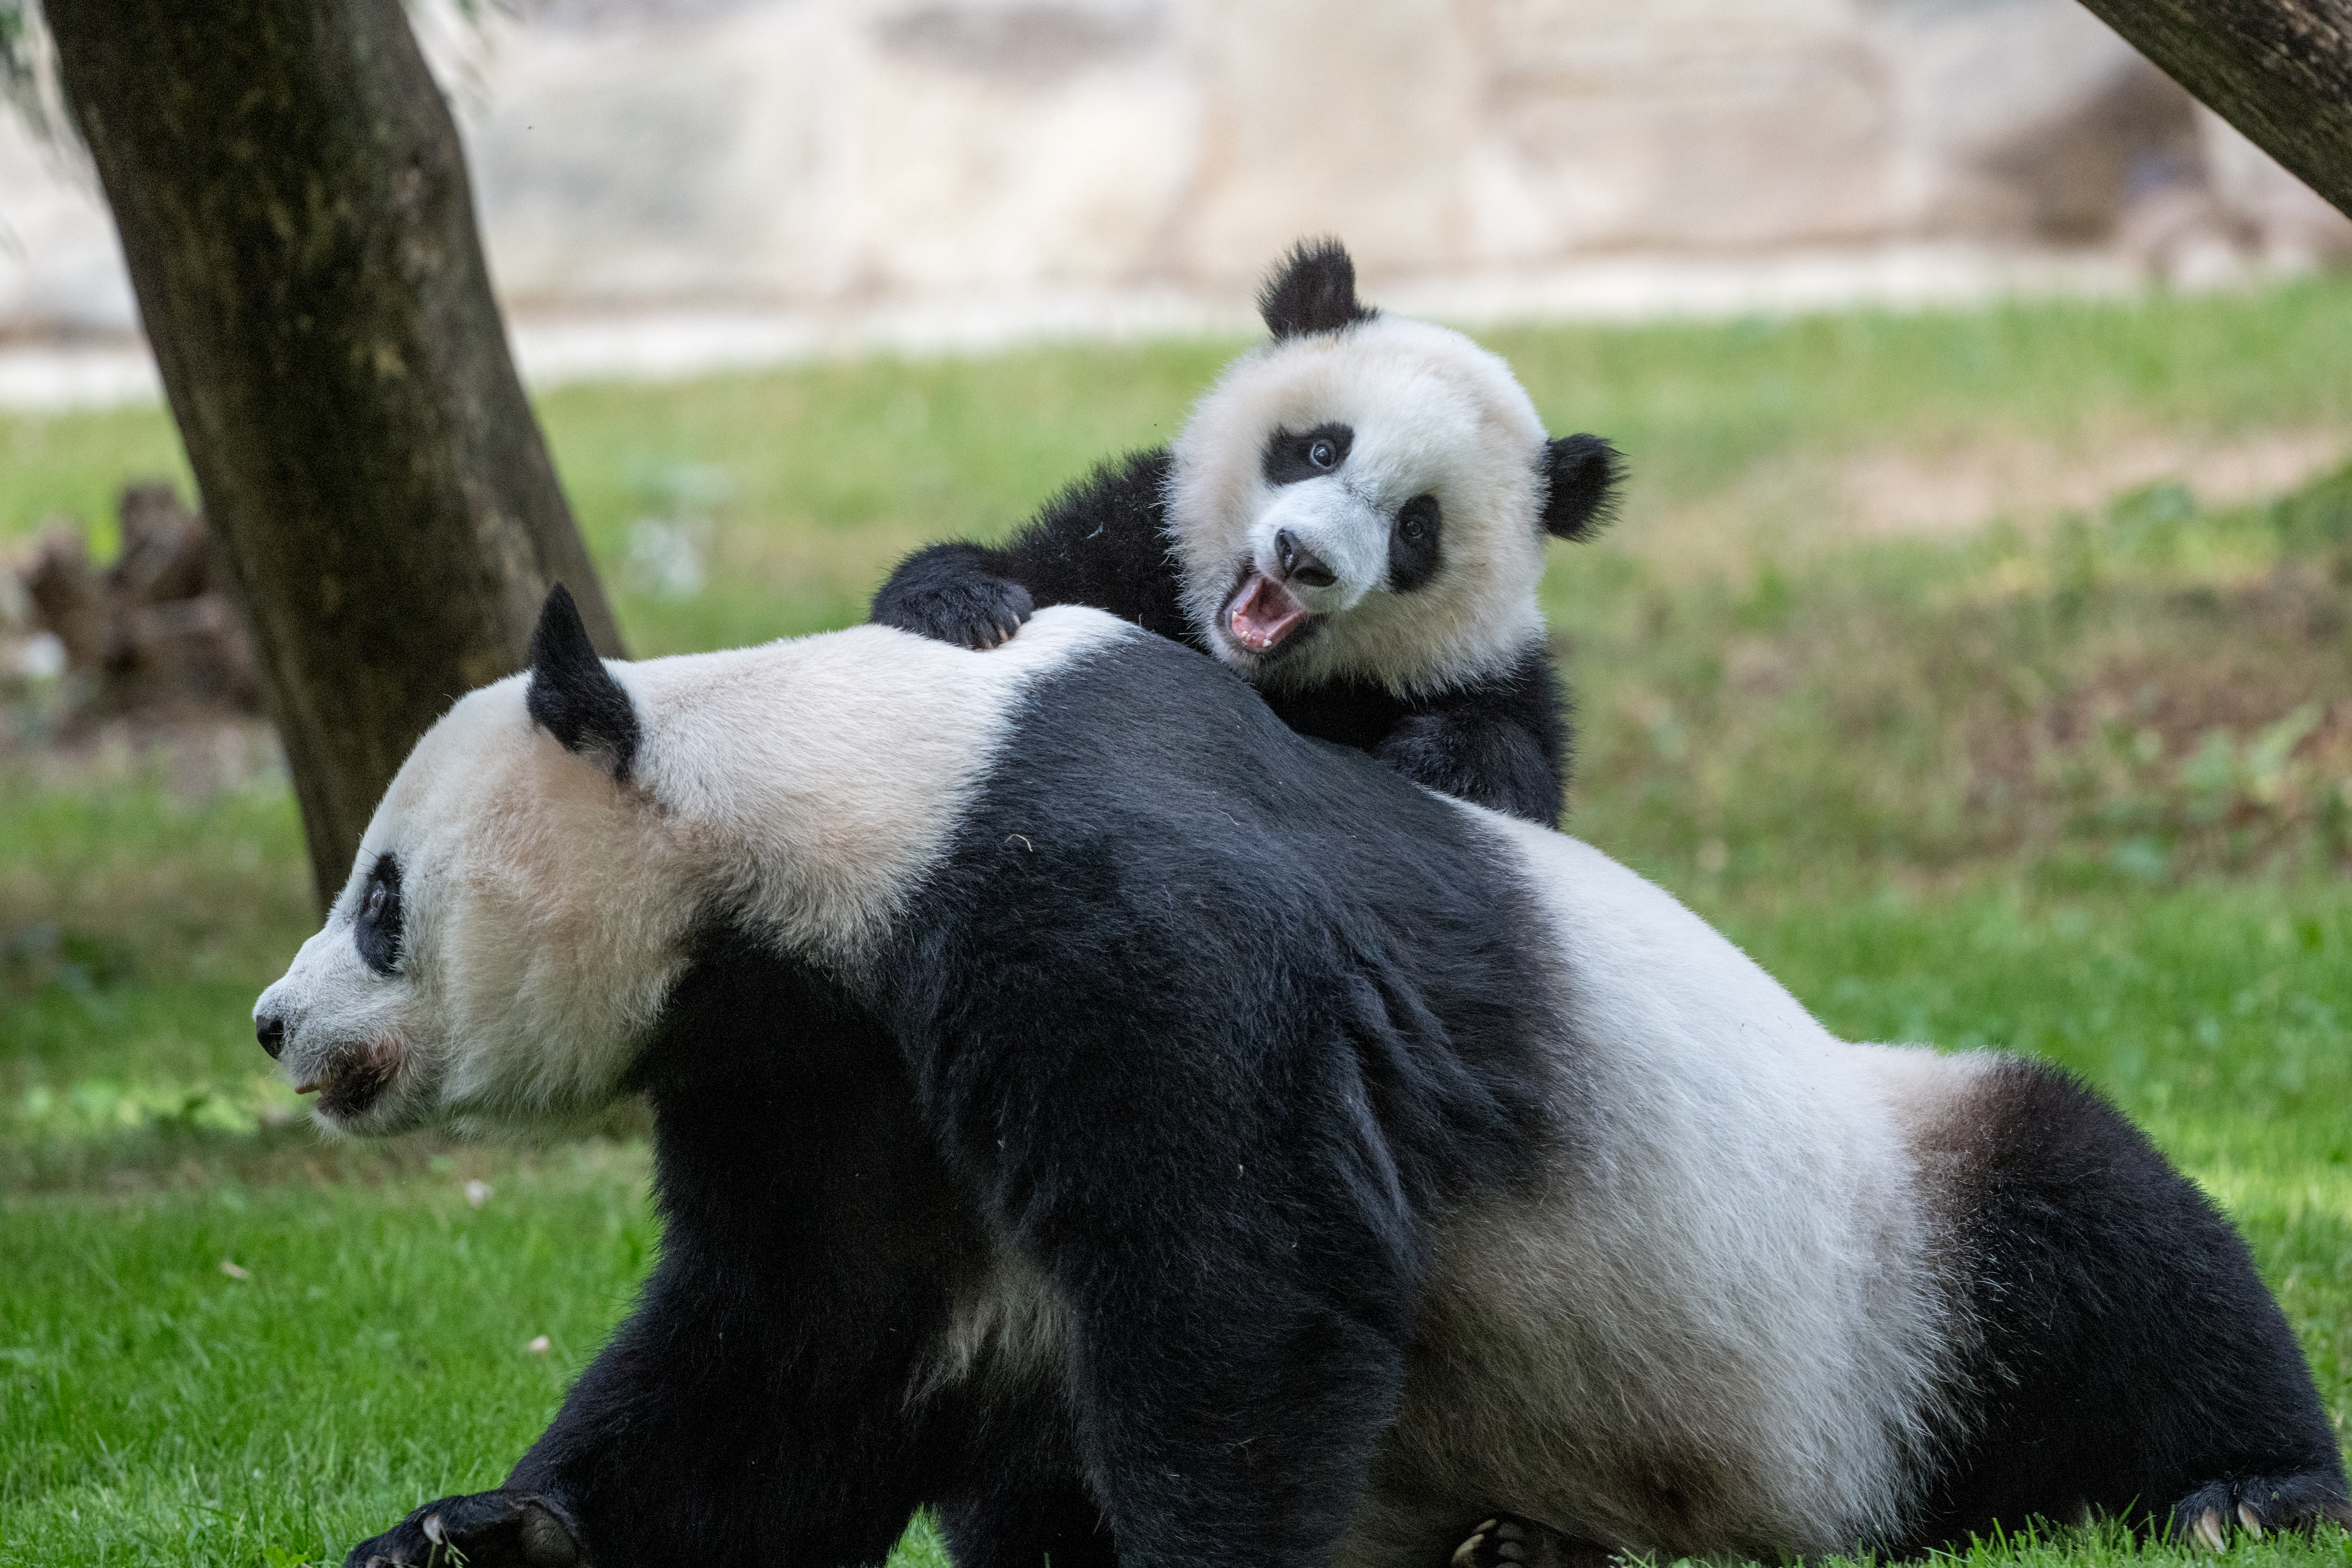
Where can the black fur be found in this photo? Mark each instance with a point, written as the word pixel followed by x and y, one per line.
pixel 573 695
pixel 1243 1033
pixel 1314 291
pixel 376 924
pixel 1415 552
pixel 1503 743
pixel 2133 1360
pixel 1581 474
pixel 1291 457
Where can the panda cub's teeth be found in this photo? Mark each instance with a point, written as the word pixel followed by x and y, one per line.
pixel 1262 613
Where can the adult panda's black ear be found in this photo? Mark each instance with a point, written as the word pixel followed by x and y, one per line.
pixel 573 695
pixel 1313 289
pixel 1581 474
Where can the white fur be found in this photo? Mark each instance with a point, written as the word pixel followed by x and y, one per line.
pixel 1433 414
pixel 1723 1322
pixel 804 785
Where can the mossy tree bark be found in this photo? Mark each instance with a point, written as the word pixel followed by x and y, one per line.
pixel 2279 70
pixel 293 204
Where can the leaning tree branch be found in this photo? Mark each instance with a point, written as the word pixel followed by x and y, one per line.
pixel 2279 70
pixel 294 207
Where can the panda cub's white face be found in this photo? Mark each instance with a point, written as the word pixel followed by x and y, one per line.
pixel 1364 501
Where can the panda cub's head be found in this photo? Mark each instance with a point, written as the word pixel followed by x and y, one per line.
pixel 1368 497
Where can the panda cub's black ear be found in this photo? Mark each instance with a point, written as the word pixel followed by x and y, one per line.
pixel 573 696
pixel 1581 474
pixel 1312 290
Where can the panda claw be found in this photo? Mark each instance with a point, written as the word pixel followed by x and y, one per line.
pixel 2207 1531
pixel 2252 1522
pixel 1466 1555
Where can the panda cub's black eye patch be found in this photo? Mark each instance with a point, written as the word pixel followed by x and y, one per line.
pixel 1415 551
pixel 1291 457
pixel 376 927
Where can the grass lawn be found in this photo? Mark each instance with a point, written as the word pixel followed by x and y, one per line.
pixel 1989 676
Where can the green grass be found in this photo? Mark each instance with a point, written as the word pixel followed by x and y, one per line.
pixel 2073 779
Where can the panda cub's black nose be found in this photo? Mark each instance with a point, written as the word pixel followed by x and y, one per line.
pixel 1300 564
pixel 270 1030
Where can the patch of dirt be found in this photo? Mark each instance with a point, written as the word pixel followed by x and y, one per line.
pixel 1912 492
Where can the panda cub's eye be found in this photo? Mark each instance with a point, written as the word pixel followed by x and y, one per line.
pixel 1292 456
pixel 375 928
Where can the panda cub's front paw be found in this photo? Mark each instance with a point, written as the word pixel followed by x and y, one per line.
pixel 968 609
pixel 487 1530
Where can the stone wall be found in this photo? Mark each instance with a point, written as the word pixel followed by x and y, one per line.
pixel 835 153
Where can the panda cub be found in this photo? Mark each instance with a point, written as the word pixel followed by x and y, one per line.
pixel 1280 1164
pixel 1353 519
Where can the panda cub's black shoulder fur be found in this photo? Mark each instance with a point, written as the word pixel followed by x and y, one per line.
pixel 1353 519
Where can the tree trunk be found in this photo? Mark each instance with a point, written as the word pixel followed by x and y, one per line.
pixel 293 204
pixel 2279 70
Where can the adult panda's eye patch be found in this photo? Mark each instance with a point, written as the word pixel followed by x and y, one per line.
pixel 1291 457
pixel 375 930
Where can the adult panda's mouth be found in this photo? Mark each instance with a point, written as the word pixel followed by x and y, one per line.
pixel 351 1081
pixel 1262 615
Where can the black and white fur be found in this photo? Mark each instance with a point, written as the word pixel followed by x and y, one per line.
pixel 1282 1166
pixel 1370 493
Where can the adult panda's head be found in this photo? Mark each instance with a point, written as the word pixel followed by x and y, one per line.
pixel 512 919
pixel 1368 495
pixel 546 865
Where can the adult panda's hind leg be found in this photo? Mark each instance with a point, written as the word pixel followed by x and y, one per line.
pixel 2126 1355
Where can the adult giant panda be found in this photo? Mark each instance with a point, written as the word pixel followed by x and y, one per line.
pixel 1354 519
pixel 1290 1162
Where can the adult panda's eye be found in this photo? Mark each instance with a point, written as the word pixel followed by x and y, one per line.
pixel 1322 454
pixel 375 928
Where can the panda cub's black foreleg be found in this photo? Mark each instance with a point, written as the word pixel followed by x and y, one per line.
pixel 954 593
pixel 1097 543
pixel 1503 744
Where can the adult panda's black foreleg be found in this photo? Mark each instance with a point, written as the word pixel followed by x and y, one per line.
pixel 2129 1361
pixel 1045 1519
pixel 768 1400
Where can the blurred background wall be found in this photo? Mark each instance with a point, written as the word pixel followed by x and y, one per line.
pixel 781 167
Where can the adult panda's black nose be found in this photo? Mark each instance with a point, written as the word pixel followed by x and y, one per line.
pixel 1300 564
pixel 270 1030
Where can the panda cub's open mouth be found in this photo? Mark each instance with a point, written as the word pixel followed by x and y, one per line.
pixel 1262 615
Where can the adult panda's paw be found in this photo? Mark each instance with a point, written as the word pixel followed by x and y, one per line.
pixel 2208 1516
pixel 1507 1540
pixel 487 1530
pixel 949 600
